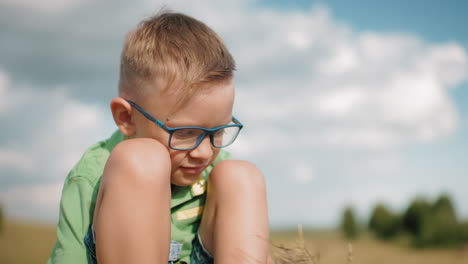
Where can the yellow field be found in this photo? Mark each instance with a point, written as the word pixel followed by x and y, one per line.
pixel 25 243
pixel 330 248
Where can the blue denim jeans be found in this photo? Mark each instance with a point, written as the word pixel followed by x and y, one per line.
pixel 199 254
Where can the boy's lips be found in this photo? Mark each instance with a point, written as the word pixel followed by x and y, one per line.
pixel 192 170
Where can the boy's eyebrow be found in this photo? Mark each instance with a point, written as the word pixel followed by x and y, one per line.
pixel 174 124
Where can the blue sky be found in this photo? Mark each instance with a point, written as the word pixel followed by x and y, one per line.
pixel 434 20
pixel 344 102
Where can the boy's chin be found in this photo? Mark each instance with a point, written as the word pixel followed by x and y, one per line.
pixel 183 179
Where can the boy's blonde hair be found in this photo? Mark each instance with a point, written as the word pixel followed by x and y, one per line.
pixel 179 49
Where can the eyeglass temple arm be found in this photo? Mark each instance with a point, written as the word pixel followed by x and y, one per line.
pixel 237 122
pixel 159 123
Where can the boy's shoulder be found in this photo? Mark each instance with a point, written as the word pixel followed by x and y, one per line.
pixel 92 162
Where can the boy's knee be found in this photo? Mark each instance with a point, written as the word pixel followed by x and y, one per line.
pixel 142 160
pixel 240 174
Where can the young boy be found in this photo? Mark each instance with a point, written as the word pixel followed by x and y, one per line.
pixel 160 190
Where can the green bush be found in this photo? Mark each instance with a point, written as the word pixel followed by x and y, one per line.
pixel 349 226
pixel 444 204
pixel 1 218
pixel 439 226
pixel 430 225
pixel 414 216
pixel 463 232
pixel 383 223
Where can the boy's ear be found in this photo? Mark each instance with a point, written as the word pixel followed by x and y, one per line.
pixel 122 113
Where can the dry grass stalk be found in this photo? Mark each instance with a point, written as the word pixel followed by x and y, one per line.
pixel 298 253
pixel 350 253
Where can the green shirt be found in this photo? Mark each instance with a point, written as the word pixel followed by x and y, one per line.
pixel 79 199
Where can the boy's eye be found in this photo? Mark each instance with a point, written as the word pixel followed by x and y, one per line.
pixel 187 133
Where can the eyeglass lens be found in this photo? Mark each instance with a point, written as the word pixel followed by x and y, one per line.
pixel 187 138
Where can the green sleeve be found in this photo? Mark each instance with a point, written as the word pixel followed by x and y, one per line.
pixel 223 155
pixel 74 220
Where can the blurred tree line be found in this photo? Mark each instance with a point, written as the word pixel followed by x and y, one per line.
pixel 427 224
pixel 1 218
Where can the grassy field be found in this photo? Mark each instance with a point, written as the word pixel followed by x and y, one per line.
pixel 22 242
pixel 329 248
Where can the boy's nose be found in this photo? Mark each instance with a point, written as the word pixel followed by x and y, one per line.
pixel 204 150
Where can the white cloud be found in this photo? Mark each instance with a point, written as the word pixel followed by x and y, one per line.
pixel 362 89
pixel 38 200
pixel 340 104
pixel 16 160
pixel 4 83
pixel 254 143
pixel 66 135
pixel 302 172
pixel 46 7
pixel 60 129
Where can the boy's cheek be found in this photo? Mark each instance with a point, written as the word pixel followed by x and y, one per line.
pixel 177 157
pixel 215 154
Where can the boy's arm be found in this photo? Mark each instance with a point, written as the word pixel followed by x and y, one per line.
pixel 74 220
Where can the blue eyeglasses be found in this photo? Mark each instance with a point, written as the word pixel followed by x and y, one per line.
pixel 188 138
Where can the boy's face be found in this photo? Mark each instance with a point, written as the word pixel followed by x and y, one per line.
pixel 208 109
